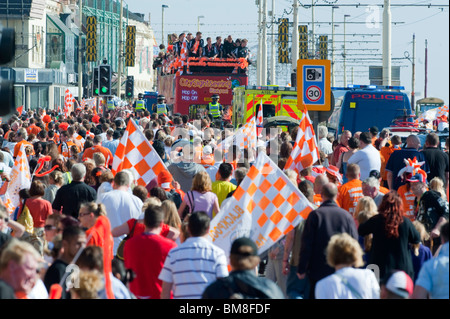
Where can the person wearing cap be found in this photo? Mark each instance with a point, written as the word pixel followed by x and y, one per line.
pixel 171 187
pixel 161 106
pixel 322 223
pixel 432 209
pixel 195 264
pixel 397 285
pixel 392 234
pixel 344 254
pixel 368 157
pixel 214 108
pixel 432 280
pixel 373 134
pixel 243 281
pixel 140 104
pixel 207 159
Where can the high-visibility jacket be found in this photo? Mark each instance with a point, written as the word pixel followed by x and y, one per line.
pixel 110 105
pixel 64 148
pixel 161 108
pixel 214 109
pixel 349 195
pixel 140 105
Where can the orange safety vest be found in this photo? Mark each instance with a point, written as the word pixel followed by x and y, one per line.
pixel 349 195
pixel 408 202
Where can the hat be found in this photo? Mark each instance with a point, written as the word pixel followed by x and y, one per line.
pixel 418 178
pixel 96 119
pixel 375 173
pixel 215 96
pixel 47 118
pixel 207 150
pixel 400 283
pixel 64 126
pixel 333 170
pixel 116 135
pixel 373 130
pixel 164 179
pixel 237 248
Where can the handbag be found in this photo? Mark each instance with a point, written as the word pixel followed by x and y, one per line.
pixel 188 208
pixel 120 249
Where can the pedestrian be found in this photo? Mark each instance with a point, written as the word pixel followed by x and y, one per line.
pixel 419 252
pixel 319 182
pixel 373 134
pixel 323 144
pixel 222 186
pixel 371 187
pixel 243 281
pixel 432 209
pixel 341 147
pixel 193 265
pixel 19 262
pixel 120 205
pixel 396 161
pixel 385 153
pixel 73 239
pixel 200 197
pixel 171 216
pixel 89 285
pixel 69 197
pixel 322 223
pixel 8 227
pixel 367 157
pixel 344 254
pixel 350 193
pixel 432 281
pixel 436 159
pixel 55 181
pixel 437 185
pixel 392 234
pixel 396 285
pixel 353 146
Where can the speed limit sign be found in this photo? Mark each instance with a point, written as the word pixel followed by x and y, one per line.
pixel 313 93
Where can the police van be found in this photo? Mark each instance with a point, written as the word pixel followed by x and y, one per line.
pixel 364 106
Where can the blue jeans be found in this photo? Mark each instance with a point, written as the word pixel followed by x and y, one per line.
pixel 296 288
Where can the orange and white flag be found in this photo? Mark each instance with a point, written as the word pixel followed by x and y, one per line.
pixel 20 179
pixel 135 152
pixel 68 102
pixel 78 140
pixel 259 119
pixel 264 207
pixel 183 57
pixel 305 151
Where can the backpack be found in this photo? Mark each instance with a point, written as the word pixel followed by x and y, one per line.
pixel 174 197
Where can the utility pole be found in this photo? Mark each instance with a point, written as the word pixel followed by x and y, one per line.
pixel 332 46
pixel 119 68
pixel 259 56
pixel 273 52
pixel 387 27
pixel 313 44
pixel 80 53
pixel 426 67
pixel 344 54
pixel 413 80
pixel 294 49
pixel 264 44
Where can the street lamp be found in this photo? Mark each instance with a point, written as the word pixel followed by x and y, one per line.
pixel 344 54
pixel 198 22
pixel 164 6
pixel 332 44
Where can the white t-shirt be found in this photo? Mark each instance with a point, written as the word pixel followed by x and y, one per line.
pixel 368 159
pixel 361 280
pixel 325 146
pixel 120 207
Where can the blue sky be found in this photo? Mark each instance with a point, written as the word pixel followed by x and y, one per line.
pixel 240 19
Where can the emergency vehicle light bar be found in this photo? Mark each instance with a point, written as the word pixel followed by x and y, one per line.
pixel 368 87
pixel 271 88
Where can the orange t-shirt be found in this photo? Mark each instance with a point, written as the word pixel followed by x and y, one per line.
pixel 383 190
pixel 349 195
pixel 317 199
pixel 33 129
pixel 89 153
pixel 408 202
pixel 64 148
pixel 17 147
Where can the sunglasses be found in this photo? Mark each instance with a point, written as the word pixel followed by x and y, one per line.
pixel 50 227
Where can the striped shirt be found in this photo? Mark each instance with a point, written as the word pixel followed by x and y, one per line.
pixel 193 266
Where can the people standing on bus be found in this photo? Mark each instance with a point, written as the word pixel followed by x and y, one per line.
pixel 228 47
pixel 215 110
pixel 208 50
pixel 196 46
pixel 218 48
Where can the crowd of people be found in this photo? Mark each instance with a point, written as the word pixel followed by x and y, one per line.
pixel 379 228
pixel 169 59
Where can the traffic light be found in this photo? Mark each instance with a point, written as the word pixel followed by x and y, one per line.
pixel 130 47
pixel 129 87
pixel 91 39
pixel 323 47
pixel 283 38
pixel 104 80
pixel 95 82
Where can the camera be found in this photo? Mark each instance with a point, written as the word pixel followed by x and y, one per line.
pixel 313 74
pixel 7 52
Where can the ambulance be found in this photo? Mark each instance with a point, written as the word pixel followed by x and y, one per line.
pixel 276 101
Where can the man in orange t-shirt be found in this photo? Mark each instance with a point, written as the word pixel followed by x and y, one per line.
pixel 385 154
pixel 89 153
pixel 66 144
pixel 350 193
pixel 408 199
pixel 22 139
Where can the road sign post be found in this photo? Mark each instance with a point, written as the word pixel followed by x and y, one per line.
pixel 313 84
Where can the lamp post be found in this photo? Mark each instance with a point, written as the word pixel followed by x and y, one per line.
pixel 332 45
pixel 164 6
pixel 198 22
pixel 344 54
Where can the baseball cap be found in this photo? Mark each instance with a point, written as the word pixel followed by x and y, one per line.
pixel 207 150
pixel 237 248
pixel 418 178
pixel 400 283
pixel 375 173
